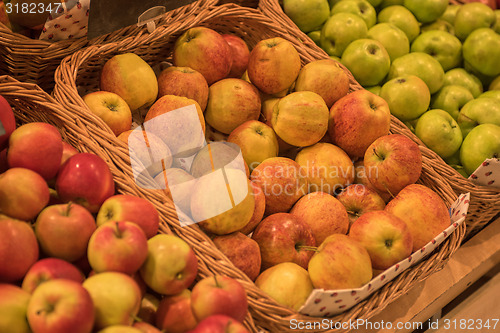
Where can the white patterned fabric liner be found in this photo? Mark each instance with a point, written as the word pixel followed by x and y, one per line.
pixel 70 21
pixel 487 174
pixel 326 303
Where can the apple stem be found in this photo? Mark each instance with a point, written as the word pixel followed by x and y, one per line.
pixel 375 152
pixel 307 248
pixel 118 232
pixel 68 208
pixel 139 319
pixel 387 189
pixel 350 212
pixel 216 282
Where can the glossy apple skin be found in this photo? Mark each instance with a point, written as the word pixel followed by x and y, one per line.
pixel 71 308
pixel 205 51
pixel 323 213
pixel 429 214
pixel 130 208
pixel 171 265
pixel 219 295
pixel 64 231
pixel 219 324
pixel 242 251
pixel 18 249
pixel 183 81
pixel 386 237
pixel 174 313
pixel 85 179
pixel 23 193
pixel 281 68
pixel 118 247
pixel 8 122
pixel 393 162
pixel 116 297
pixel 241 54
pixel 111 108
pixel 357 120
pixel 13 306
pixel 287 283
pixel 50 269
pixel 279 235
pixel 359 199
pixel 36 146
pixel 340 263
pixel 481 143
pixel 285 177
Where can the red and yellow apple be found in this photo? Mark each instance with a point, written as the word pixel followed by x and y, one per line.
pixel 111 108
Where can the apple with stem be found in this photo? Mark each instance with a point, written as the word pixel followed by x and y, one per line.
pixel 49 269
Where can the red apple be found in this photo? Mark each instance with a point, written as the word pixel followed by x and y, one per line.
pixel 357 119
pixel 386 237
pixel 23 193
pixel 205 51
pixel 323 213
pixel 7 122
pixel 64 231
pixel 85 179
pixel 258 212
pixel 174 313
pixel 242 251
pixel 36 146
pixel 219 295
pixel 111 108
pixel 118 247
pixel 219 324
pixel 18 249
pixel 50 269
pixel 393 162
pixel 171 265
pixel 13 305
pixel 359 199
pixel 132 209
pixel 241 54
pixel 68 151
pixel 424 212
pixel 61 306
pixel 284 237
pixel 183 81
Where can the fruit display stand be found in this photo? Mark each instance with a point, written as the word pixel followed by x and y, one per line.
pixel 484 204
pixel 78 74
pixel 35 61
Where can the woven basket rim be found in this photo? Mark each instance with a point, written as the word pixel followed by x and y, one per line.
pixel 261 305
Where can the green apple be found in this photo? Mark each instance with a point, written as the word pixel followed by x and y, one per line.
pixel 340 30
pixel 315 36
pixel 485 79
pixel 495 84
pixel 495 94
pixel 483 142
pixel 479 111
pixel 439 24
pixel 408 97
pixel 287 283
pixel 374 89
pixel 440 132
pixel 402 18
pixel 460 77
pixel 393 39
pixel 496 26
pixel 443 46
pixel 472 16
pixel 419 64
pixel 426 10
pixel 450 13
pixel 451 99
pixel 307 15
pixel 367 60
pixel 387 3
pixel 481 50
pixel 362 8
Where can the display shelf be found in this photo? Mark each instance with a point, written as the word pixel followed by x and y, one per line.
pixel 473 260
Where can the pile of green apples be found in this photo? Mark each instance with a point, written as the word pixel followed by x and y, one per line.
pixel 435 63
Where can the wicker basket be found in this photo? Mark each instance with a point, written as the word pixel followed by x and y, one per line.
pixel 35 61
pixel 79 73
pixel 485 201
